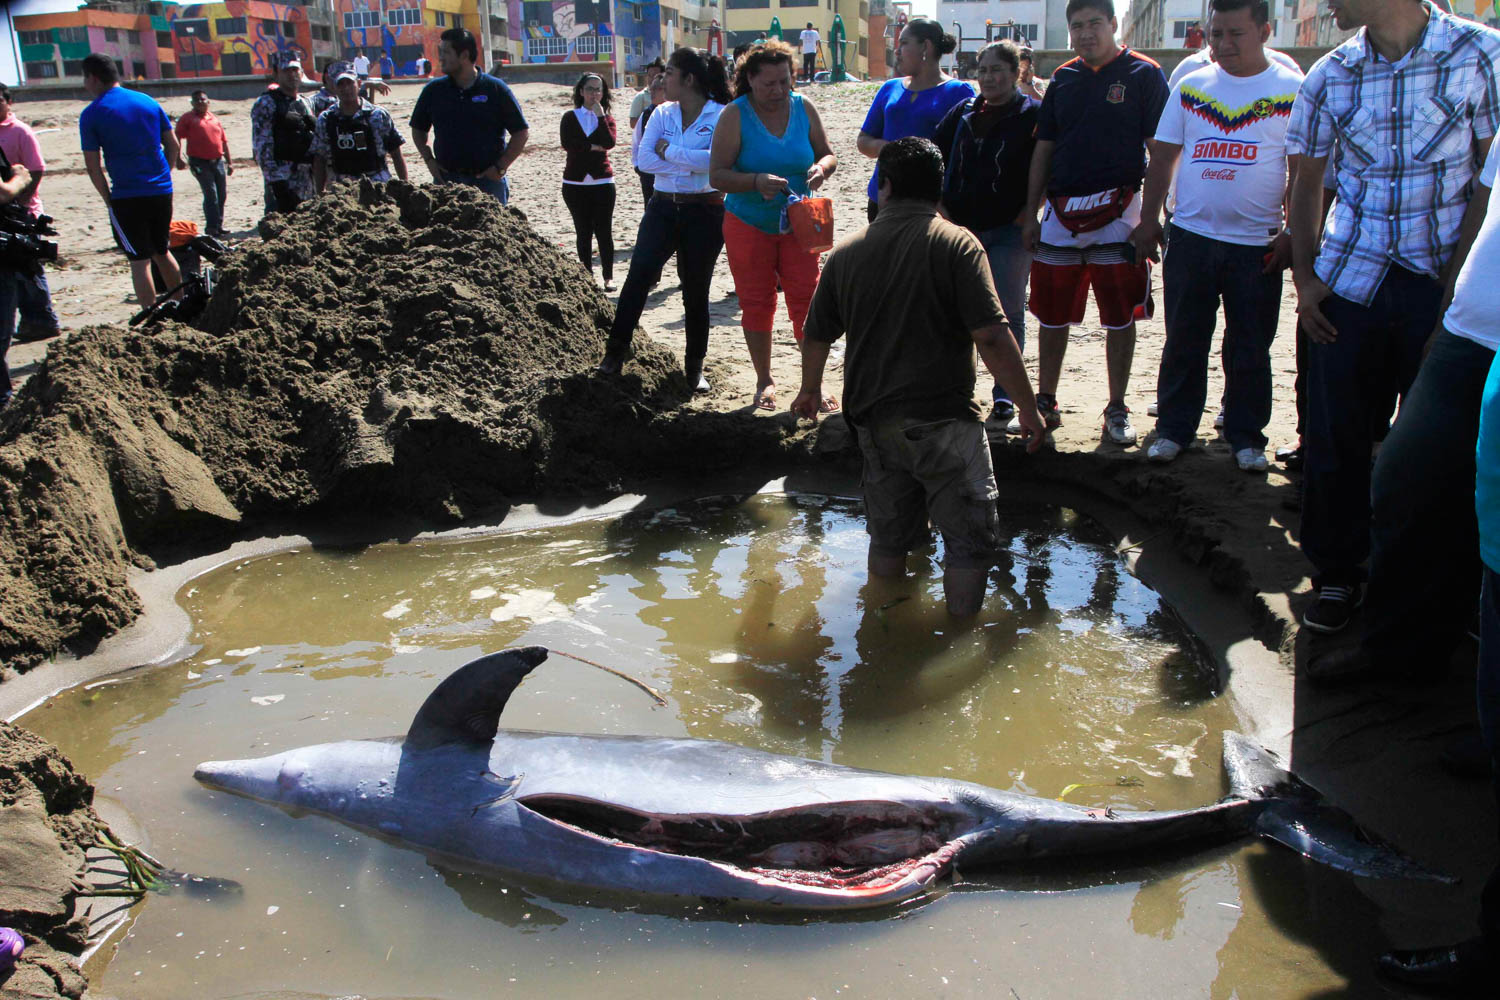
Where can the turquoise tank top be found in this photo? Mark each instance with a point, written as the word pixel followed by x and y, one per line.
pixel 763 153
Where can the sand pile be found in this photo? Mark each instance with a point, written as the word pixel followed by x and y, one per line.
pixel 46 820
pixel 387 350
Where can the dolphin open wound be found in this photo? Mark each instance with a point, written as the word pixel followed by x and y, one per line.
pixel 702 818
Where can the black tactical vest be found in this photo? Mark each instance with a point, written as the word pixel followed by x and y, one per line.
pixel 353 141
pixel 291 129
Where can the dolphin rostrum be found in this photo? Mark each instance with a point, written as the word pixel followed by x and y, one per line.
pixel 702 818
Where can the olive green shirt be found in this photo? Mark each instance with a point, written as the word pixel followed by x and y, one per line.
pixel 909 290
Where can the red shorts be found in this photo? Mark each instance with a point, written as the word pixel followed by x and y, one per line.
pixel 1060 280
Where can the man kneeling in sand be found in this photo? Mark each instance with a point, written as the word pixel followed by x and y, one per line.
pixel 914 294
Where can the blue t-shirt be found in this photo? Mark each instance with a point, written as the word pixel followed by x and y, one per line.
pixel 897 113
pixel 469 126
pixel 127 126
pixel 1100 120
pixel 761 152
pixel 1487 464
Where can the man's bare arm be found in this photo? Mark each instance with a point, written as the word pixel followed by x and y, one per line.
pixel 93 163
pixel 810 395
pixel 1000 354
pixel 1306 224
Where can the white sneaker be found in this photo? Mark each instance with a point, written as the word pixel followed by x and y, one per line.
pixel 1013 426
pixel 1151 410
pixel 1219 420
pixel 1117 425
pixel 1163 450
pixel 1250 460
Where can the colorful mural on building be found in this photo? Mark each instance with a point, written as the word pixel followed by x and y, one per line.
pixel 397 33
pixel 553 31
pixel 237 37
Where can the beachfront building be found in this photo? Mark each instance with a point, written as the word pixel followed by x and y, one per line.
pixel 157 40
pixel 238 37
pixel 137 37
pixel 887 18
pixel 1040 24
pixel 745 20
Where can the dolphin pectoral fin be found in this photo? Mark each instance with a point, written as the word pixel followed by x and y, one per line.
pixel 508 787
pixel 1296 815
pixel 466 706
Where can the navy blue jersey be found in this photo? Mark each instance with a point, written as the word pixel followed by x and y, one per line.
pixel 1100 120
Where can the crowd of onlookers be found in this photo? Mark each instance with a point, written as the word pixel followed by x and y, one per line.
pixel 1368 178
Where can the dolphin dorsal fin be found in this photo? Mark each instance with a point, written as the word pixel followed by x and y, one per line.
pixel 466 706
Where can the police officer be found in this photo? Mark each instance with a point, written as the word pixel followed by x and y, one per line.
pixel 281 135
pixel 353 138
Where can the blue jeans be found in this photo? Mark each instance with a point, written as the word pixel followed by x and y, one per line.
pixel 499 190
pixel 1489 725
pixel 10 296
pixel 1422 525
pixel 1379 346
pixel 1198 273
pixel 695 231
pixel 1010 267
pixel 211 178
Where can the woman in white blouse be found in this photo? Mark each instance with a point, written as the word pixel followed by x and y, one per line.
pixel 685 215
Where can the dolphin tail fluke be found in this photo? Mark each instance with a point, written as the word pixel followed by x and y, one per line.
pixel 466 706
pixel 1297 816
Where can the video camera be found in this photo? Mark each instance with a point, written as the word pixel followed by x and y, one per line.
pixel 21 243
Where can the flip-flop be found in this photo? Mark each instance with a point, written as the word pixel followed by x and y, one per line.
pixel 830 404
pixel 765 399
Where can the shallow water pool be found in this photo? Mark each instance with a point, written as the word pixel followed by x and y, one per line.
pixel 752 615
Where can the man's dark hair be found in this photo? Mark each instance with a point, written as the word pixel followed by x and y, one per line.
pixel 809 24
pixel 197 94
pixel 1260 10
pixel 462 40
pixel 1106 7
pixel 914 168
pixel 5 94
pixel 1006 51
pixel 657 63
pixel 101 67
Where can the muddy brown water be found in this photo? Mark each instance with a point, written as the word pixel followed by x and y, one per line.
pixel 753 617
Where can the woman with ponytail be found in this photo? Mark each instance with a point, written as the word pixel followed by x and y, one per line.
pixel 915 102
pixel 685 214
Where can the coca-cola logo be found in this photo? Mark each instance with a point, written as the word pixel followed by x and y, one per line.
pixel 1221 174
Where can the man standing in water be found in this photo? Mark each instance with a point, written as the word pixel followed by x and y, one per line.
pixel 914 294
pixel 472 114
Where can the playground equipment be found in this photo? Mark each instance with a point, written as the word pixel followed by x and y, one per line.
pixel 837 39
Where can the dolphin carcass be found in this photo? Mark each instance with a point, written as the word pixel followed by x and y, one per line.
pixel 708 819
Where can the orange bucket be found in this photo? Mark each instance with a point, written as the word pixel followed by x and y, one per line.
pixel 811 220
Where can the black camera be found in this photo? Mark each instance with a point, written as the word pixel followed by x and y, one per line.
pixel 21 243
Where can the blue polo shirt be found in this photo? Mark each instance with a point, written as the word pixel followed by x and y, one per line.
pixel 127 126
pixel 470 126
pixel 1100 120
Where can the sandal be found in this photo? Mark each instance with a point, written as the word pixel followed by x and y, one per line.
pixel 765 398
pixel 830 404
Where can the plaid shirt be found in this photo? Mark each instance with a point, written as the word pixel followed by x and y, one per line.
pixel 1404 136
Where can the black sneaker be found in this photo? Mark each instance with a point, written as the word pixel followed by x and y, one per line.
pixel 1290 456
pixel 1002 411
pixel 1334 608
pixel 611 365
pixel 1046 404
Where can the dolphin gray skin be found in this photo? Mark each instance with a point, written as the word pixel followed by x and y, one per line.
pixel 701 818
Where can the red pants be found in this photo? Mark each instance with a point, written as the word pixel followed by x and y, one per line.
pixel 758 262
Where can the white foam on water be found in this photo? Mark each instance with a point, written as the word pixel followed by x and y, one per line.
pixel 538 606
pixel 724 658
pixel 398 610
pixel 267 699
pixel 482 593
pixel 248 651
